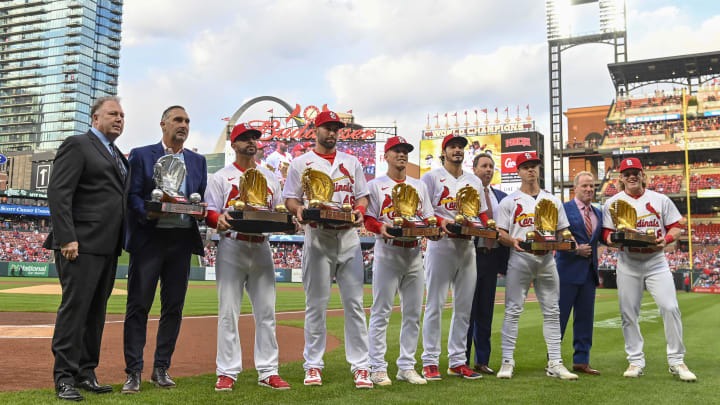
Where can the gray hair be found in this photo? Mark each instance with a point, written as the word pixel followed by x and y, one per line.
pixel 100 101
pixel 167 111
pixel 583 173
pixel 482 155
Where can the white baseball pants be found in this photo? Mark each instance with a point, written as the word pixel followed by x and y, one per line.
pixel 396 269
pixel 524 269
pixel 660 284
pixel 245 265
pixel 329 254
pixel 449 263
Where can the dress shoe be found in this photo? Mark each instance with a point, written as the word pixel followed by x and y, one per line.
pixel 92 385
pixel 483 368
pixel 160 378
pixel 68 392
pixel 585 368
pixel 132 384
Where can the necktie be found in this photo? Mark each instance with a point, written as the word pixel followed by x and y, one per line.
pixel 488 242
pixel 588 222
pixel 118 161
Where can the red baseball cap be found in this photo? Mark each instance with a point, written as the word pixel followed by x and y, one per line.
pixel 631 163
pixel 243 128
pixel 298 148
pixel 307 144
pixel 451 137
pixel 525 157
pixel 395 141
pixel 328 116
pixel 261 144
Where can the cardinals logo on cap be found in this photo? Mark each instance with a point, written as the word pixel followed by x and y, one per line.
pixel 401 139
pixel 332 115
pixel 528 155
pixel 629 162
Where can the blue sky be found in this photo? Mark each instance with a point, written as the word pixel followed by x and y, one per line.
pixel 386 60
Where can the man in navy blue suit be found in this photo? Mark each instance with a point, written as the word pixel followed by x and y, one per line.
pixel 578 270
pixel 491 258
pixel 160 247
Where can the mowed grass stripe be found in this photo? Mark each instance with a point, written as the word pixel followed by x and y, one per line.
pixel 530 385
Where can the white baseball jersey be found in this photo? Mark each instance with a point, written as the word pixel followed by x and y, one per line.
pixel 276 158
pixel 654 211
pixel 516 213
pixel 381 204
pixel 223 188
pixel 346 173
pixel 443 186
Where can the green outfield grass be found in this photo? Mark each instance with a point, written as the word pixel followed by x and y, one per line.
pixel 529 386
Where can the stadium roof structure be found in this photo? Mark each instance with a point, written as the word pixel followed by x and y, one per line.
pixel 688 70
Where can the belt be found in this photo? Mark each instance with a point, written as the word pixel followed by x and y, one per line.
pixel 637 250
pixel 246 238
pixel 454 236
pixel 484 250
pixel 408 244
pixel 330 227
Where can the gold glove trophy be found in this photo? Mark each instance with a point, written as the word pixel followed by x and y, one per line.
pixel 407 223
pixel 544 237
pixel 624 218
pixel 168 174
pixel 319 189
pixel 467 221
pixel 249 210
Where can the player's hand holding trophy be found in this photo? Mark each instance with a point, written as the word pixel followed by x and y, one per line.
pixel 624 218
pixel 167 198
pixel 544 238
pixel 407 222
pixel 319 189
pixel 250 211
pixel 467 222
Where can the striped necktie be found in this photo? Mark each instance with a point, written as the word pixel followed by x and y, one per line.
pixel 115 153
pixel 588 222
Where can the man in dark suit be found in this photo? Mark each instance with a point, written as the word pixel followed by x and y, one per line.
pixel 87 198
pixel 578 270
pixel 160 247
pixel 491 258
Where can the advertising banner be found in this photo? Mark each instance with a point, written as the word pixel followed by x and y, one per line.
pixel 510 179
pixel 210 273
pixel 24 210
pixel 26 269
pixel 430 153
pixel 709 290
pixel 631 150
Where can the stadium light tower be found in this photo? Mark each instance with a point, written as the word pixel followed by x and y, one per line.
pixel 561 36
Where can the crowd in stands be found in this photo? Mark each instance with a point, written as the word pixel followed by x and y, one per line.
pixel 659 98
pixel 704 181
pixel 25 246
pixel 364 152
pixel 677 259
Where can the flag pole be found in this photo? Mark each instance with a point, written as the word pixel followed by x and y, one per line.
pixel 687 188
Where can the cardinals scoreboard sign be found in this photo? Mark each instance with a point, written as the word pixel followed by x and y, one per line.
pixel 503 147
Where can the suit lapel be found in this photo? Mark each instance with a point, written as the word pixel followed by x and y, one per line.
pixel 106 153
pixel 188 177
pixel 575 216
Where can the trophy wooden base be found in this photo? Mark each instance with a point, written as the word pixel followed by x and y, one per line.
pixel 531 245
pixel 261 221
pixel 328 216
pixel 632 239
pixel 486 233
pixel 398 232
pixel 176 207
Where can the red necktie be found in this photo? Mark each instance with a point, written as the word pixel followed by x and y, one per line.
pixel 588 222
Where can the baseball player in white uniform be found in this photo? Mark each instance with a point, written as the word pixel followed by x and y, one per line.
pixel 397 268
pixel 449 262
pixel 244 261
pixel 279 157
pixel 332 251
pixel 514 219
pixel 640 268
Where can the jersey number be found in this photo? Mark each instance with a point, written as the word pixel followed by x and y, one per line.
pixel 349 199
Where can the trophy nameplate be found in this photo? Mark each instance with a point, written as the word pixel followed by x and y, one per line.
pixel 319 189
pixel 407 222
pixel 250 212
pixel 168 174
pixel 624 218
pixel 544 237
pixel 467 222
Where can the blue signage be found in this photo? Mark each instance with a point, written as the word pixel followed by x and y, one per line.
pixel 707 114
pixel 24 210
pixel 3 159
pixel 663 117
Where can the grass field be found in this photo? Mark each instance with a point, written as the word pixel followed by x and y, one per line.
pixel 701 319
